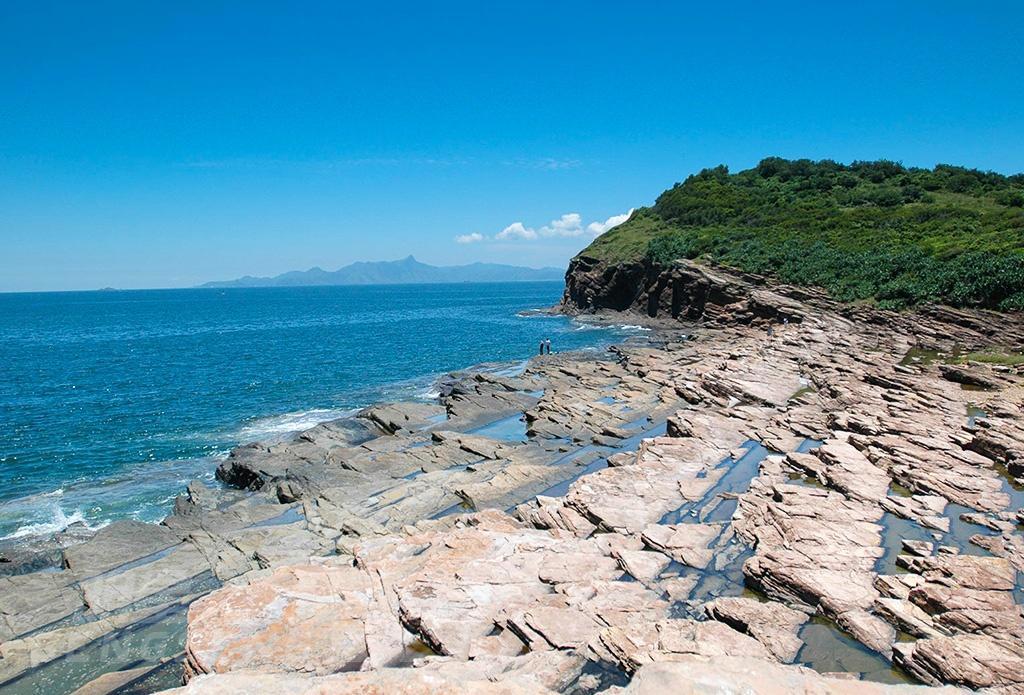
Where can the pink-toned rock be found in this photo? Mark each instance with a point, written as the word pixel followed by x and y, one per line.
pixel 637 644
pixel 686 543
pixel 977 661
pixel 268 624
pixel 532 674
pixel 727 675
pixel 453 587
pixel 812 545
pixel 772 624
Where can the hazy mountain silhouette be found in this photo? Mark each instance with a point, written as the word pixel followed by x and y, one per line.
pixel 405 271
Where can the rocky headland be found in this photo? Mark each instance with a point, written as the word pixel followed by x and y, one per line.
pixel 831 505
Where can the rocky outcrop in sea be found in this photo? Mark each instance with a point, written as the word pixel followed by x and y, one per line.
pixel 825 507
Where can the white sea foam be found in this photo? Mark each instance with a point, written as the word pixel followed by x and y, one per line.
pixel 596 326
pixel 57 522
pixel 279 425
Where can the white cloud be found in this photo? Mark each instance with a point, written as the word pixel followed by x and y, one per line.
pixel 516 230
pixel 597 228
pixel 569 224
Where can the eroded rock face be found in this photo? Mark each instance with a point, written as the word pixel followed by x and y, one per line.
pixel 774 625
pixel 974 660
pixel 320 493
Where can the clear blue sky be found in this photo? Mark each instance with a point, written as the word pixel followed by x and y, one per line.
pixel 156 144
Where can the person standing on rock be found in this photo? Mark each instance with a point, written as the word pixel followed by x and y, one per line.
pixel 540 350
pixel 547 345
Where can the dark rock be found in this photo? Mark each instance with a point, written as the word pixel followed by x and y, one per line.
pixel 968 377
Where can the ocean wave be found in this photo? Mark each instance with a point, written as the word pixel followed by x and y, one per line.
pixel 280 425
pixel 58 521
pixel 622 327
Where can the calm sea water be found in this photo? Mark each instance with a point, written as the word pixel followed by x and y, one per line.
pixel 110 402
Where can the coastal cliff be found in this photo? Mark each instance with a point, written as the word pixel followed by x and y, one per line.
pixel 682 290
pixel 875 232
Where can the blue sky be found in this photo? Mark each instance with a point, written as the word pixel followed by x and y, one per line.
pixel 165 144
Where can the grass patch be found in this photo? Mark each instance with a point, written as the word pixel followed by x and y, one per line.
pixel 1009 359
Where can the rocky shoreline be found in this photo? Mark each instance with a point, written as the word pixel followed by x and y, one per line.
pixel 715 508
pixel 116 600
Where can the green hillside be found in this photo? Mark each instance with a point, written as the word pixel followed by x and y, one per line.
pixel 865 231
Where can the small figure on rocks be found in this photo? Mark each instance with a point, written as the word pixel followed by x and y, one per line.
pixel 540 350
pixel 547 345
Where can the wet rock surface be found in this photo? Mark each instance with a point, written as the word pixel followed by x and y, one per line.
pixel 316 494
pixel 697 514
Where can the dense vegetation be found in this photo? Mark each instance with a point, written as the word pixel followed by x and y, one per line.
pixel 865 231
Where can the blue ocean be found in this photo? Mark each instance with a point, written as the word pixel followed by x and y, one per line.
pixel 111 401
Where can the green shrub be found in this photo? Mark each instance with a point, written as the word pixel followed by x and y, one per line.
pixel 865 231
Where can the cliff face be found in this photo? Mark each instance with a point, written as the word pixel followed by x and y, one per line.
pixel 683 290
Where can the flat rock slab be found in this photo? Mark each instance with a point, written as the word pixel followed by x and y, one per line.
pixel 636 644
pixel 119 543
pixel 664 476
pixel 31 601
pixel 538 674
pixel 113 591
pixel 278 624
pixel 727 675
pixel 20 655
pixel 453 586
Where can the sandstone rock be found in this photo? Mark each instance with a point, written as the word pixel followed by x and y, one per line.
pixel 32 601
pixel 269 624
pixel 116 544
pixel 970 377
pixel 432 679
pixel 638 644
pixel 392 417
pixel 451 586
pixel 724 675
pixel 977 661
pixel 685 543
pixel 106 593
pixel 772 624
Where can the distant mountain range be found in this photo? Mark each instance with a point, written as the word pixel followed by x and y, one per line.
pixel 403 272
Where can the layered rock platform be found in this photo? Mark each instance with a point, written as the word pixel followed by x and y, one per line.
pixel 826 507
